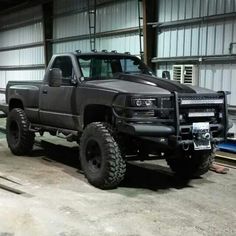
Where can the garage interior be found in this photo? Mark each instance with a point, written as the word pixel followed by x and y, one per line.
pixel 188 41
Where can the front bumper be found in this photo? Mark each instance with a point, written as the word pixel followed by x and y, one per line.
pixel 174 130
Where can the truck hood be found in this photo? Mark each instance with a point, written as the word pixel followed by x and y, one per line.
pixel 144 84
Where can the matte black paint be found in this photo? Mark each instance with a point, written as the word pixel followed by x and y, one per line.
pixel 64 106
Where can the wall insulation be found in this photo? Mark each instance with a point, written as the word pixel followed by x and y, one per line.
pixel 173 10
pixel 21 46
pixel 207 38
pixel 199 32
pixel 197 40
pixel 71 20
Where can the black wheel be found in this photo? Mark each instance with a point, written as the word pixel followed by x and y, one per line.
pixel 192 164
pixel 100 156
pixel 20 140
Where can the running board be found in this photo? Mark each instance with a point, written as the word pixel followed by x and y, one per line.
pixel 43 128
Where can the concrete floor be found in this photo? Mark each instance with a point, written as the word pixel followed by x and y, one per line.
pixel 46 194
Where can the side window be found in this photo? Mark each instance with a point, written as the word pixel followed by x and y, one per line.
pixel 96 68
pixel 130 66
pixel 85 67
pixel 65 64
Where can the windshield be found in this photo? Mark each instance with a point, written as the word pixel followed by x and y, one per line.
pixel 108 67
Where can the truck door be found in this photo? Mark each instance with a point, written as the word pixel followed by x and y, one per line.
pixel 58 106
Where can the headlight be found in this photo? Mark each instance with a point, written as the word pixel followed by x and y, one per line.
pixel 143 102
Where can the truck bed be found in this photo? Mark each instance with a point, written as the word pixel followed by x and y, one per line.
pixel 3 103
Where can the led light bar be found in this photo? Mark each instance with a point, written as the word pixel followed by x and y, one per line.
pixel 201 114
pixel 201 101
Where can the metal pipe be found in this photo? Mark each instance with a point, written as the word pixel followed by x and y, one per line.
pixel 21 46
pixel 23 67
pixel 74 12
pixel 98 35
pixel 196 59
pixel 198 20
pixel 21 24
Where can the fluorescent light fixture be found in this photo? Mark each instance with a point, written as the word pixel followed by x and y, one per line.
pixel 201 101
pixel 201 114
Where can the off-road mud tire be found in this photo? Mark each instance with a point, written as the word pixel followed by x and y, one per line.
pixel 20 140
pixel 110 169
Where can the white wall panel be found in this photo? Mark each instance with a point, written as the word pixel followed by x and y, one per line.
pixel 173 43
pixel 61 6
pixel 187 42
pixel 82 45
pixel 24 75
pixel 180 42
pixel 196 8
pixel 2 79
pixel 197 40
pixel 76 24
pixel 167 44
pixel 22 35
pixel 119 15
pixel 219 77
pixel 28 56
pixel 172 10
pixel 64 6
pixel 28 14
pixel 121 43
pixel 12 36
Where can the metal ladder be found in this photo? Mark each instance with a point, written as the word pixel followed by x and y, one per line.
pixel 140 25
pixel 92 5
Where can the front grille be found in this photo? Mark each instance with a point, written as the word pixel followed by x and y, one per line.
pixel 210 106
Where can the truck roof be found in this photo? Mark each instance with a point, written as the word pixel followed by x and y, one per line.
pixel 95 53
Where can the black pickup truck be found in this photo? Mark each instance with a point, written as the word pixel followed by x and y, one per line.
pixel 117 110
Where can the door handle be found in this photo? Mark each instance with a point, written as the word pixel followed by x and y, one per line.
pixel 45 91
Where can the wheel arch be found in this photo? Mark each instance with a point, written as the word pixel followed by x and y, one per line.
pixel 97 113
pixel 15 103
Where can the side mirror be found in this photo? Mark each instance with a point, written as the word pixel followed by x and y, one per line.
pixel 166 75
pixel 55 77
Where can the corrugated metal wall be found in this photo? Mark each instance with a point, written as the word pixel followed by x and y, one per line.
pixel 21 29
pixel 71 20
pixel 210 36
pixel 21 34
pixel 197 40
pixel 173 10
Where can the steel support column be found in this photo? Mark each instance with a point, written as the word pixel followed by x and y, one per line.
pixel 47 9
pixel 149 33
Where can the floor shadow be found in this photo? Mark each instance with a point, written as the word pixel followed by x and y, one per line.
pixel 153 177
pixel 138 175
pixel 57 153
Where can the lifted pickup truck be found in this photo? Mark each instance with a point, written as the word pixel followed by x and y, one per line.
pixel 116 109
